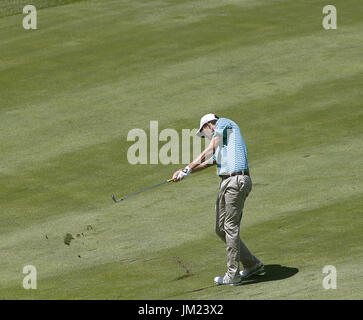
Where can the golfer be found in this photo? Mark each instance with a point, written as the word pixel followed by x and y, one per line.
pixel 228 151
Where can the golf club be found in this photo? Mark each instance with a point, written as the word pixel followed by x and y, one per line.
pixel 134 194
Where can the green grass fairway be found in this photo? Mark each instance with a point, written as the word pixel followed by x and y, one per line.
pixel 71 91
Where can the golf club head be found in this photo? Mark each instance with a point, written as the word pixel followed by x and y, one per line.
pixel 114 199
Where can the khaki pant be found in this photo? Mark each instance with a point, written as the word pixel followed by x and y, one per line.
pixel 233 192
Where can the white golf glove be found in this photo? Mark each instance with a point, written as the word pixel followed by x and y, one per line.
pixel 184 173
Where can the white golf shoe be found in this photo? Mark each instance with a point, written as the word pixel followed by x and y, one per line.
pixel 227 280
pixel 248 272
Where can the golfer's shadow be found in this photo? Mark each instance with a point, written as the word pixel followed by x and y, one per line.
pixel 272 272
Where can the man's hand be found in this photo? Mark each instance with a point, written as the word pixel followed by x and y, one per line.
pixel 181 174
pixel 175 175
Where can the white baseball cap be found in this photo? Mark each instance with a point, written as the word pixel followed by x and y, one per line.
pixel 205 119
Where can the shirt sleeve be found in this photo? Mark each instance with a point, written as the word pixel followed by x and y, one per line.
pixel 221 130
pixel 214 158
pixel 218 131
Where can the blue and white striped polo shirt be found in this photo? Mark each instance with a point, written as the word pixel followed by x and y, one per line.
pixel 231 153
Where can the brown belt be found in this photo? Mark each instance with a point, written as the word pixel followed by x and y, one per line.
pixel 243 172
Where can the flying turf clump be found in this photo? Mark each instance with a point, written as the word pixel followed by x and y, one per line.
pixel 68 238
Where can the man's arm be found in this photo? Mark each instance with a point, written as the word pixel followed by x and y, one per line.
pixel 204 160
pixel 204 165
pixel 206 154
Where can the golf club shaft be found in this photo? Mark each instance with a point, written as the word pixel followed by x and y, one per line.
pixel 134 194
